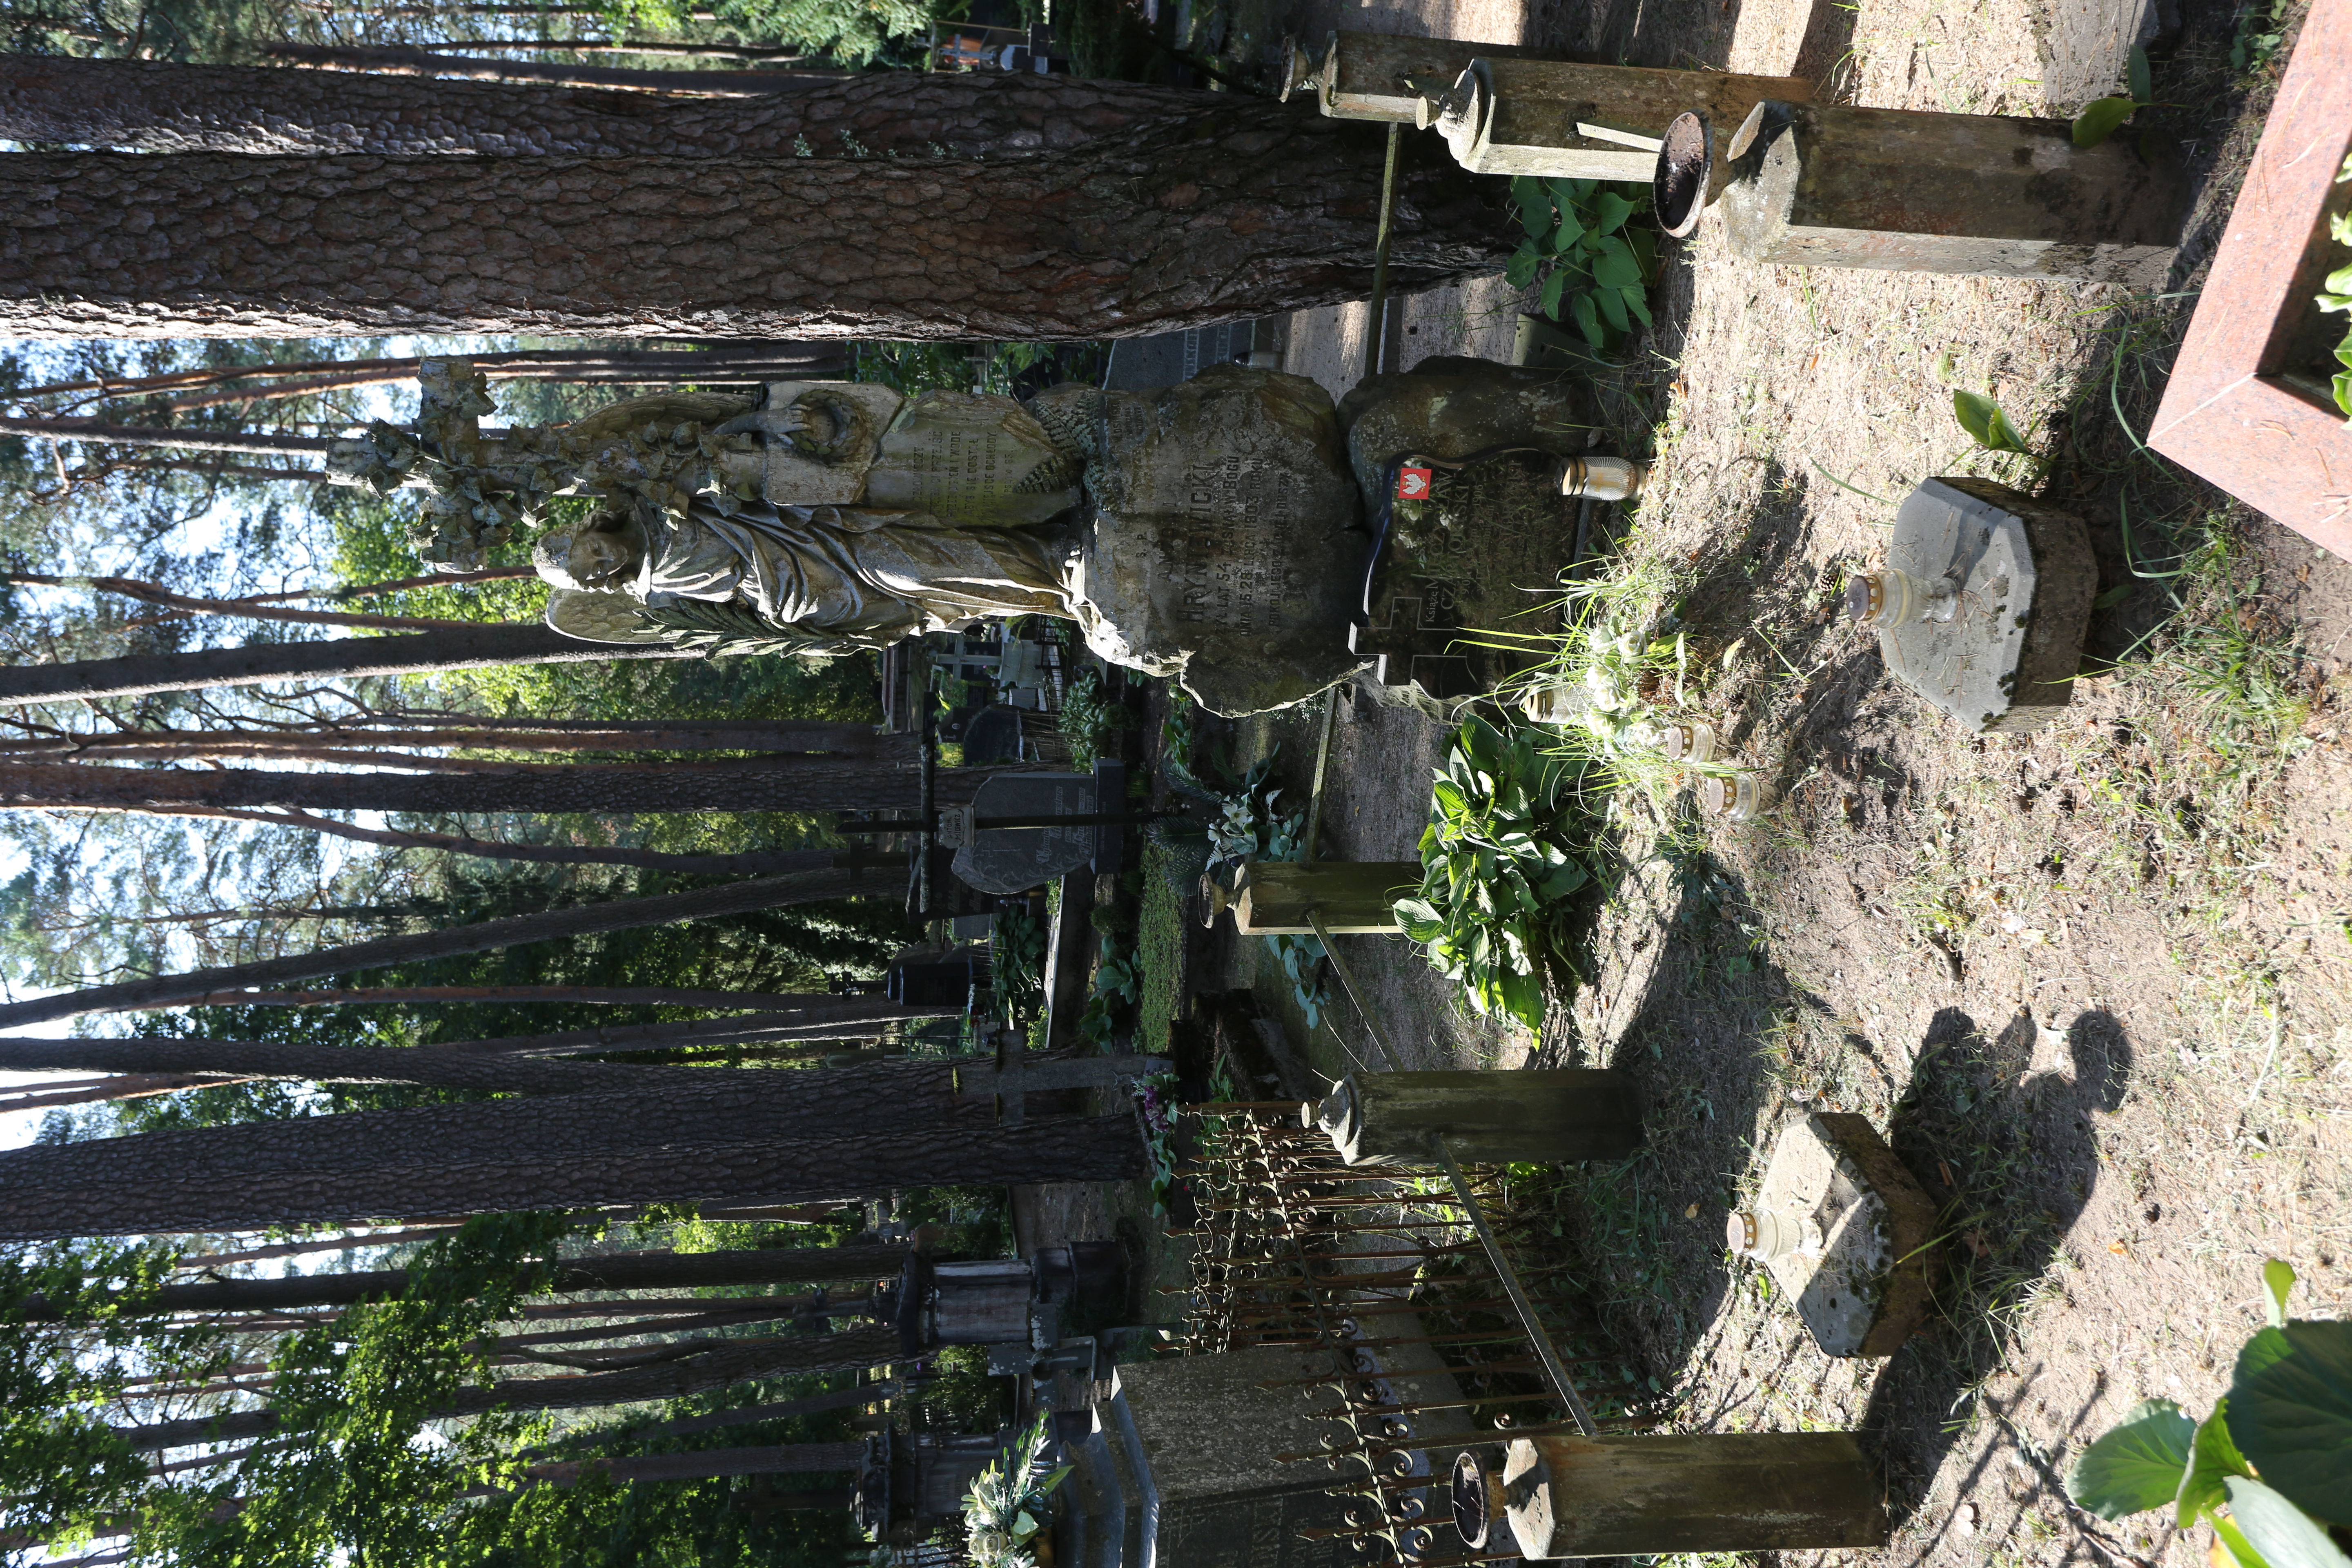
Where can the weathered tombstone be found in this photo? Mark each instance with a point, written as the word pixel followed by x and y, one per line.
pixel 1186 1465
pixel 1846 1232
pixel 1384 76
pixel 982 460
pixel 1484 549
pixel 1225 550
pixel 1983 602
pixel 1014 859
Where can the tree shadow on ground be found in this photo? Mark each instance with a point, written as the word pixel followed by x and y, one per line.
pixel 2011 1155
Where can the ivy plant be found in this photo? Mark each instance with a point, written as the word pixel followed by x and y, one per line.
pixel 1495 863
pixel 1589 256
pixel 2270 1468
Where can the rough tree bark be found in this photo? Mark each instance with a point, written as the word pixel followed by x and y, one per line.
pixel 142 106
pixel 343 658
pixel 797 1355
pixel 616 1271
pixel 1248 210
pixel 397 60
pixel 501 1074
pixel 481 936
pixel 750 783
pixel 138 1185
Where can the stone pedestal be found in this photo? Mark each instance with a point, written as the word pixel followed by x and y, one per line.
pixel 1225 550
pixel 1846 1232
pixel 1704 1492
pixel 1546 1116
pixel 1981 195
pixel 2024 577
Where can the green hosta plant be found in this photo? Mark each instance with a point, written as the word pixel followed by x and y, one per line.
pixel 2338 296
pixel 1592 258
pixel 1495 864
pixel 2270 1468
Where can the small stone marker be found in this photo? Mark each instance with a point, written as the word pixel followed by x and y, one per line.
pixel 1355 898
pixel 1845 1231
pixel 1986 603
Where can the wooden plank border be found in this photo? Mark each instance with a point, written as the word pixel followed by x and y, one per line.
pixel 2227 415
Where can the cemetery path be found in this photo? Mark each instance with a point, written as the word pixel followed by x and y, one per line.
pixel 2096 982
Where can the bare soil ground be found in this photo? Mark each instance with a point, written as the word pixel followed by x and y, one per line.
pixel 2096 983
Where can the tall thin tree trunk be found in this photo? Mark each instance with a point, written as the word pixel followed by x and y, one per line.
pixel 796 1356
pixel 702 1464
pixel 753 783
pixel 265 443
pixel 1242 211
pixel 578 996
pixel 346 658
pixel 780 737
pixel 145 107
pixel 481 936
pixel 614 1271
pixel 162 1181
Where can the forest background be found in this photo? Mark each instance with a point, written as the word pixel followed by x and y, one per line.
pixel 364 1467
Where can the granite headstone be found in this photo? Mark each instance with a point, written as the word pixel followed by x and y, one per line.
pixel 1014 859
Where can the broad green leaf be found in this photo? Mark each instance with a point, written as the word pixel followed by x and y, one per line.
pixel 1564 881
pixel 1552 288
pixel 1568 236
pixel 1521 997
pixel 1449 797
pixel 1637 302
pixel 1419 919
pixel 2101 119
pixel 2138 77
pixel 1617 271
pixel 1612 309
pixel 1535 206
pixel 2292 1418
pixel 1567 193
pixel 1609 212
pixel 2232 1540
pixel 1975 412
pixel 2212 1458
pixel 1482 743
pixel 1588 321
pixel 1521 271
pixel 2282 1532
pixel 2262 1347
pixel 2138 1466
pixel 2278 1279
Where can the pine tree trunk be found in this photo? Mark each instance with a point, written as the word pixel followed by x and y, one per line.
pixel 1244 211
pixel 751 783
pixel 799 1355
pixel 179 1054
pixel 426 1162
pixel 617 1271
pixel 704 1463
pixel 481 936
pixel 140 106
pixel 396 60
pixel 750 359
pixel 343 658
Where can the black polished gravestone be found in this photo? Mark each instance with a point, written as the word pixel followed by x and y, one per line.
pixel 1022 830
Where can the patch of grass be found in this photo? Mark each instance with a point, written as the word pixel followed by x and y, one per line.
pixel 1159 950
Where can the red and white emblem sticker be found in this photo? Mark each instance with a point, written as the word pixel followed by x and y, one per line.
pixel 1412 484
